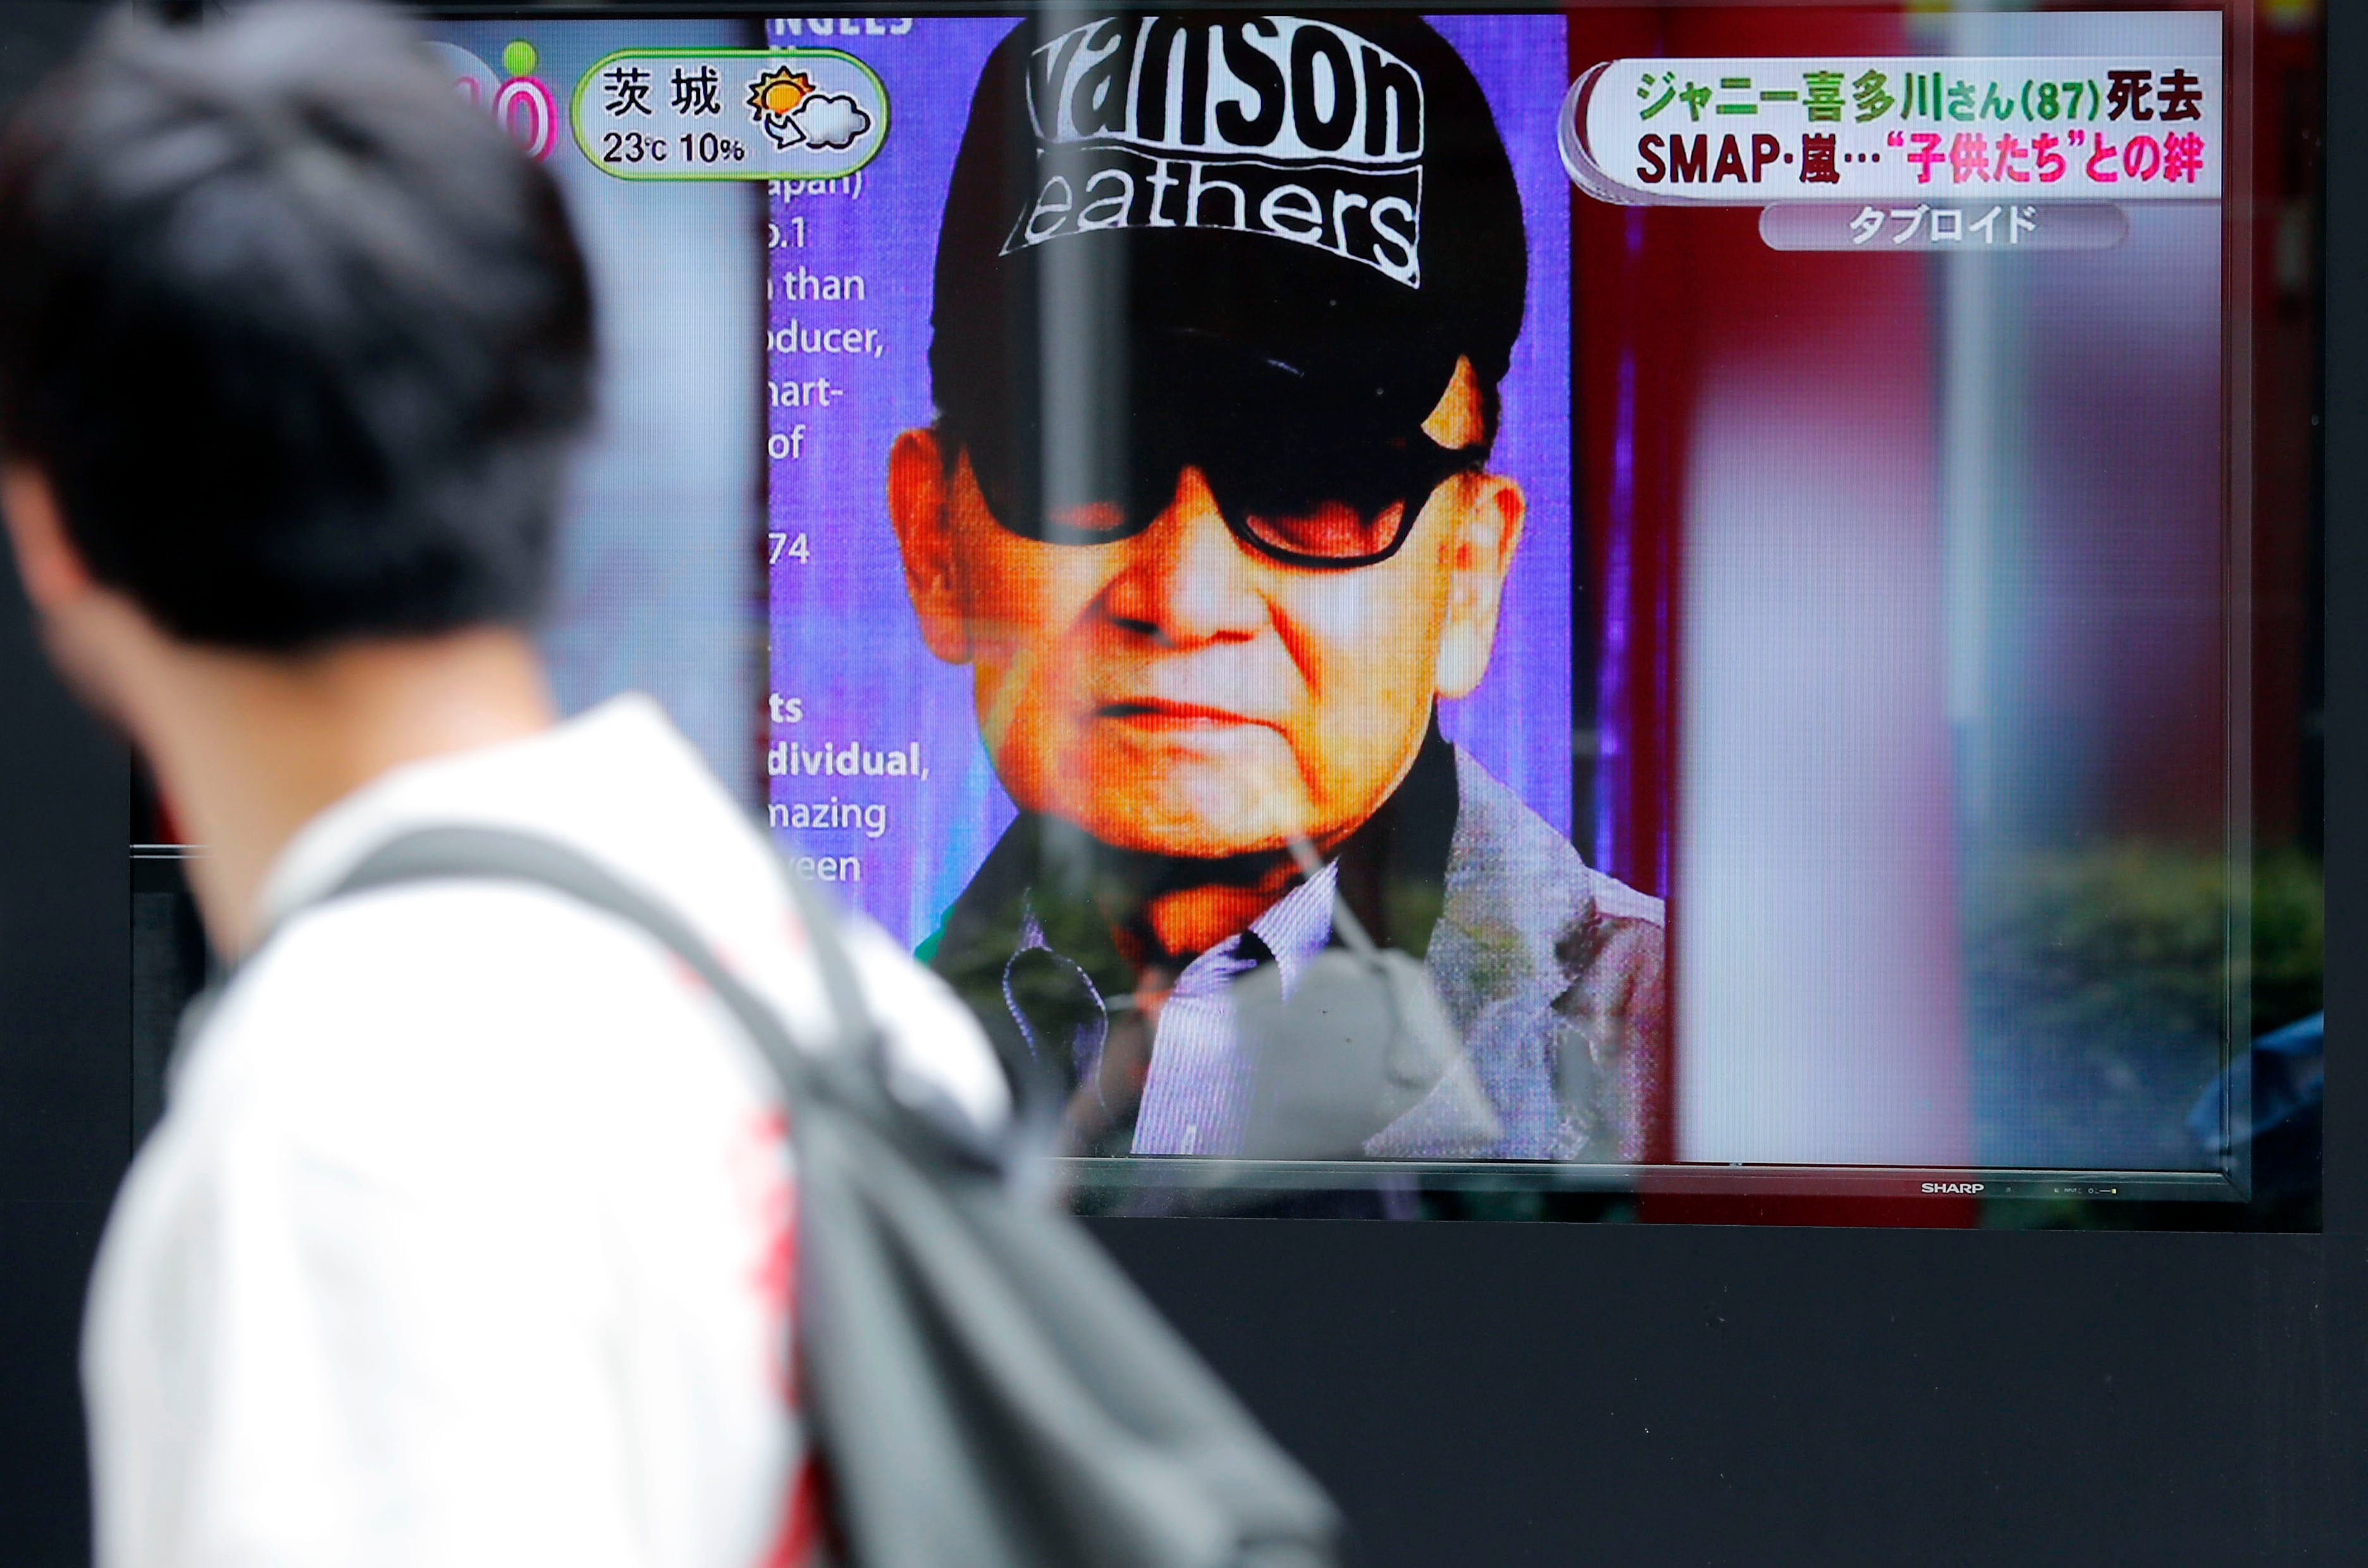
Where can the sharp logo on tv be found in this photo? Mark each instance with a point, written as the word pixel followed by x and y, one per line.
pixel 1965 1187
pixel 1273 125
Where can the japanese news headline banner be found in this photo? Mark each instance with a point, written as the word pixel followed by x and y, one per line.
pixel 1903 152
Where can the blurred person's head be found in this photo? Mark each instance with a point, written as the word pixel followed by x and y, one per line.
pixel 293 346
pixel 1222 306
pixel 295 340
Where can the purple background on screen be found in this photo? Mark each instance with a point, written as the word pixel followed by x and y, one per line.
pixel 845 645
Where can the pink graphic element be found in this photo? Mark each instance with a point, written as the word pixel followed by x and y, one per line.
pixel 525 109
pixel 2010 153
pixel 1928 152
pixel 1969 158
pixel 2183 157
pixel 2050 161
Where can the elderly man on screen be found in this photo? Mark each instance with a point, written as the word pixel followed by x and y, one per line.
pixel 1208 510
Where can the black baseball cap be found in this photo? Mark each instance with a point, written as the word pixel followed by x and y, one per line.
pixel 1168 234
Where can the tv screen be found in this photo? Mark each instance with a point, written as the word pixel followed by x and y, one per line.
pixel 1666 611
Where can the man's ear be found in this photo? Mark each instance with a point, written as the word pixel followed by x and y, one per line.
pixel 1480 552
pixel 920 505
pixel 101 642
pixel 47 561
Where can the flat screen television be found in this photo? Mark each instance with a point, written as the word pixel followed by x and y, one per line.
pixel 1771 552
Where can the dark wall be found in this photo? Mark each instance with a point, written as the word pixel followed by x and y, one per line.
pixel 1529 1394
pixel 65 1096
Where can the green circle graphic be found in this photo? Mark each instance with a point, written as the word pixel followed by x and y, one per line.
pixel 518 57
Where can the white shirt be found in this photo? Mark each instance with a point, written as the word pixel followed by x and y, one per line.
pixel 467 1237
pixel 1196 1097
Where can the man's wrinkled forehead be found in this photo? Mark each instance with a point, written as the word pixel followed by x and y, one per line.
pixel 1287 127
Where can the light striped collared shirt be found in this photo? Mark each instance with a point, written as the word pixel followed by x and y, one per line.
pixel 1196 1099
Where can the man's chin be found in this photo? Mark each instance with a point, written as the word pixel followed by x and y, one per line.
pixel 1179 840
pixel 1192 796
pixel 1175 824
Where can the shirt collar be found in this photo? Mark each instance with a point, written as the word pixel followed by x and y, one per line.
pixel 1295 929
pixel 1299 924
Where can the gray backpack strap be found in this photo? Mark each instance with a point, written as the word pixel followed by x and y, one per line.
pixel 987 1387
pixel 838 979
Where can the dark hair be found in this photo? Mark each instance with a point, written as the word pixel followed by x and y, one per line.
pixel 300 338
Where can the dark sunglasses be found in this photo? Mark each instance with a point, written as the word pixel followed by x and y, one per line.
pixel 1331 508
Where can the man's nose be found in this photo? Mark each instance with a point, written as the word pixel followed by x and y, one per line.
pixel 1187 580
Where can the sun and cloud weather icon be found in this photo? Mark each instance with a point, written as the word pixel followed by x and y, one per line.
pixel 793 112
pixel 645 114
